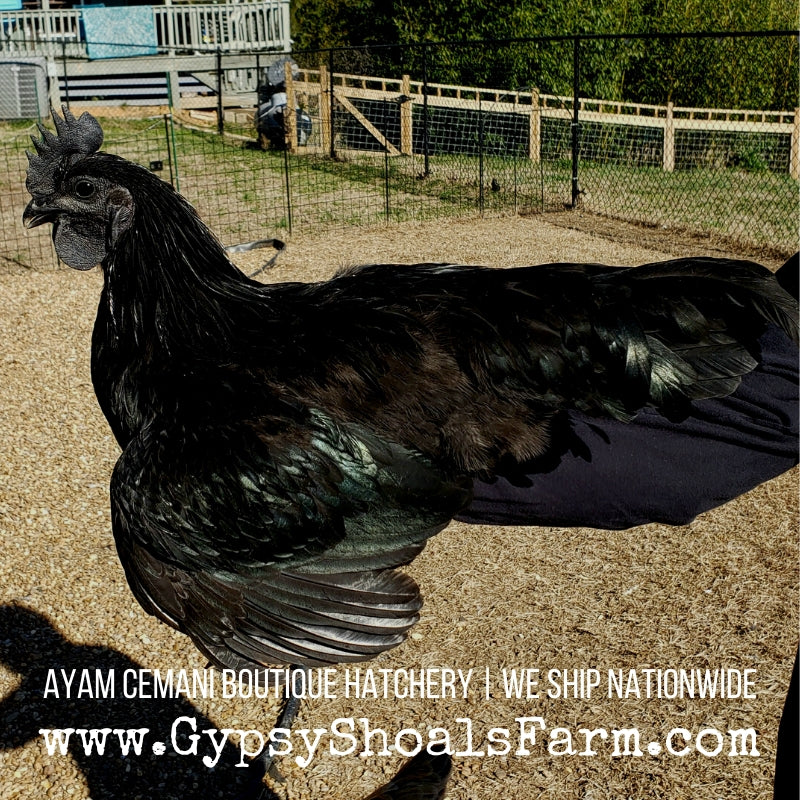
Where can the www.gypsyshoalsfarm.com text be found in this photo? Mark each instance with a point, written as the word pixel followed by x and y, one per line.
pixel 348 736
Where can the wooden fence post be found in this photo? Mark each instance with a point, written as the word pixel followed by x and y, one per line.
pixel 325 108
pixel 289 113
pixel 535 129
pixel 406 117
pixel 794 157
pixel 669 140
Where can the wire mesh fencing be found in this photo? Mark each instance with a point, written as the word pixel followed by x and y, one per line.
pixel 718 154
pixel 685 132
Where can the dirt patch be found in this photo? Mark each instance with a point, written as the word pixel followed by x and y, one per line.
pixel 668 239
pixel 719 593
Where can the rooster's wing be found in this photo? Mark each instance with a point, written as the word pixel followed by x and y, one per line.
pixel 277 547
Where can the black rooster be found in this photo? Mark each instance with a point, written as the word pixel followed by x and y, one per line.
pixel 286 447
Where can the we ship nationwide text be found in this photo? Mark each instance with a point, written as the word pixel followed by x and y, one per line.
pixel 525 735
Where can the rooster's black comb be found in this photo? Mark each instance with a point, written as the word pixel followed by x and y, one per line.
pixel 81 137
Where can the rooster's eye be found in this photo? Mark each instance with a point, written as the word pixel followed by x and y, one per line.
pixel 84 189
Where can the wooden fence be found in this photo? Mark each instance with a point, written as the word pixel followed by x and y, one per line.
pixel 533 105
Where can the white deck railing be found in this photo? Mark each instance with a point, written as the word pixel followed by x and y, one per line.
pixel 195 28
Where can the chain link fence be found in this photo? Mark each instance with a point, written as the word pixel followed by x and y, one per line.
pixel 688 132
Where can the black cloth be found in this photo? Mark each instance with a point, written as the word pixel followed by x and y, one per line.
pixel 654 470
pixel 787 759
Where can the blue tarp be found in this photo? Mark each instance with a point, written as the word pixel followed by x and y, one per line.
pixel 121 31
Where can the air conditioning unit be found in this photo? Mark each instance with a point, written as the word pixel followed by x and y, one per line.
pixel 23 88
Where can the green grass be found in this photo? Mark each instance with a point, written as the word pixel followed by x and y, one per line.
pixel 241 190
pixel 756 207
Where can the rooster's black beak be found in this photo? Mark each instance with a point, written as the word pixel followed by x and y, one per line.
pixel 35 214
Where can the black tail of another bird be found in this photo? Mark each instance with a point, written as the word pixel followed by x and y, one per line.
pixel 424 777
pixel 789 275
pixel 692 326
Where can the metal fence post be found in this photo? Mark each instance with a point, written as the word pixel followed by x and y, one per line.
pixel 480 156
pixel 288 187
pixel 220 109
pixel 332 112
pixel 172 151
pixel 576 64
pixel 427 170
pixel 385 162
pixel 169 149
